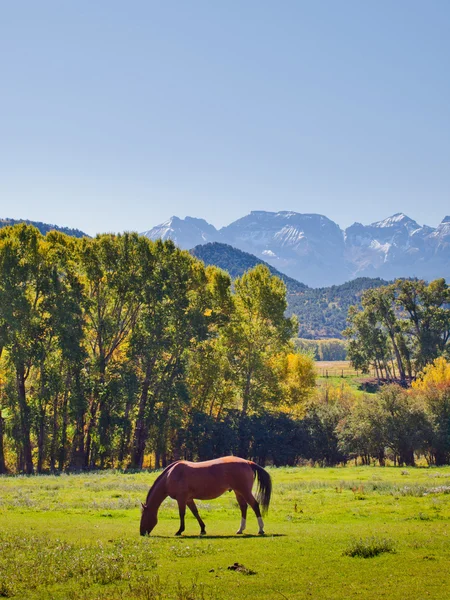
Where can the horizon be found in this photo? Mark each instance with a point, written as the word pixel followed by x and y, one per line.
pixel 218 228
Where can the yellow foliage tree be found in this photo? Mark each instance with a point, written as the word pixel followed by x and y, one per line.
pixel 297 376
pixel 436 374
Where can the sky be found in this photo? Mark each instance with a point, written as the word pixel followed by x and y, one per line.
pixel 117 115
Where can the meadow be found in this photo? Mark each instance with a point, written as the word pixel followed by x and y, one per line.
pixel 340 533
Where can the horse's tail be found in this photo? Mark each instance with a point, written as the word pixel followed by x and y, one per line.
pixel 264 489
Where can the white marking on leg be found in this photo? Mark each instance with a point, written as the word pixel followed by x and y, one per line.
pixel 261 525
pixel 243 525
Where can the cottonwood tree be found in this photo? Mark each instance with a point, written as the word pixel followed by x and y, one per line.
pixel 24 280
pixel 111 269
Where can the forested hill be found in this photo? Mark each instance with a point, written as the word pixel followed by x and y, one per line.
pixel 44 227
pixel 236 263
pixel 322 312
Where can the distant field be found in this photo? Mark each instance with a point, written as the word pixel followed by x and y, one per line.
pixel 335 368
pixel 76 537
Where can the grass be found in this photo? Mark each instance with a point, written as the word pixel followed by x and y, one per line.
pixel 76 537
pixel 338 372
pixel 336 368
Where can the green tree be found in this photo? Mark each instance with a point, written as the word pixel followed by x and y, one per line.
pixel 177 313
pixel 111 268
pixel 258 330
pixel 426 307
pixel 23 283
pixel 405 423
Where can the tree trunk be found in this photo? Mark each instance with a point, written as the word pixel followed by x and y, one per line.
pixel 141 430
pixel 24 419
pixel 3 469
pixel 54 434
pixel 125 438
pixel 64 422
pixel 78 450
pixel 41 438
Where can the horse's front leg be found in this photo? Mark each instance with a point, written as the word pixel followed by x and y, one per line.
pixel 194 511
pixel 182 511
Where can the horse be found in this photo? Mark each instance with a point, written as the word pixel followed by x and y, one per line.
pixel 185 481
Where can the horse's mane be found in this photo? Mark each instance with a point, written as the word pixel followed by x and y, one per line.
pixel 158 479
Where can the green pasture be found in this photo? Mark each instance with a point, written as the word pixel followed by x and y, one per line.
pixel 76 537
pixel 340 372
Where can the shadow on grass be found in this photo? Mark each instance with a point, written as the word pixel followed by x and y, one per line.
pixel 216 537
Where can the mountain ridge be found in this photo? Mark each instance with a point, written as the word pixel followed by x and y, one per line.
pixel 312 248
pixel 43 227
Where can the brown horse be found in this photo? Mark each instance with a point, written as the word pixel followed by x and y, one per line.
pixel 185 481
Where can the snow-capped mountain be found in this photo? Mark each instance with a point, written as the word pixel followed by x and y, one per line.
pixel 313 249
pixel 398 247
pixel 308 247
pixel 186 233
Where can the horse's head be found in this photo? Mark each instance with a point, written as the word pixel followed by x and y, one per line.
pixel 148 520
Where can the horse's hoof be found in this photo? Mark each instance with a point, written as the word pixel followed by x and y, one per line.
pixel 202 532
pixel 239 532
pixel 261 533
pixel 178 533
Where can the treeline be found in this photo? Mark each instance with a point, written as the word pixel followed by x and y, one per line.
pixel 117 347
pixel 400 329
pixel 337 426
pixel 328 349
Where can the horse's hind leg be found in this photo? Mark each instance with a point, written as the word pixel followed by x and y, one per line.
pixel 182 511
pixel 243 506
pixel 255 505
pixel 194 511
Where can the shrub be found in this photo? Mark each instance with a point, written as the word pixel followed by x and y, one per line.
pixel 369 547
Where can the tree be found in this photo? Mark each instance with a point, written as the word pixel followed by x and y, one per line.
pixel 296 374
pixel 404 325
pixel 363 431
pixel 111 268
pixel 405 423
pixel 433 388
pixel 180 310
pixel 258 331
pixel 23 282
pixel 368 344
pixel 429 317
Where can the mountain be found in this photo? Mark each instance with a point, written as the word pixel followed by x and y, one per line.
pixel 399 247
pixel 44 227
pixel 237 262
pixel 186 233
pixel 313 249
pixel 307 247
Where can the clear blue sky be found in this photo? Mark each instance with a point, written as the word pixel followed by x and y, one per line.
pixel 116 115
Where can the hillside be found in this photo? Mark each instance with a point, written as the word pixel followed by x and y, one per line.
pixel 321 312
pixel 236 262
pixel 44 227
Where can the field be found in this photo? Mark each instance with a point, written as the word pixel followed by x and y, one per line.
pixel 335 368
pixel 76 537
